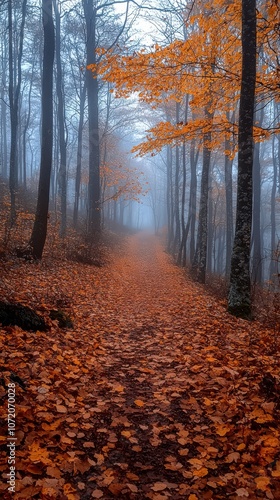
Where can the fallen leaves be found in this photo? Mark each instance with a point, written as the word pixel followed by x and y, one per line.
pixel 61 409
pixel 159 486
pixel 242 492
pixel 223 429
pixel 139 402
pixel 262 483
pixel 200 472
pixel 143 398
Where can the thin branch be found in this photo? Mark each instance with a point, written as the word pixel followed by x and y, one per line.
pixel 122 29
pixel 146 7
pixel 5 102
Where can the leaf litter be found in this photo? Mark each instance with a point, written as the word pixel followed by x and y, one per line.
pixel 156 393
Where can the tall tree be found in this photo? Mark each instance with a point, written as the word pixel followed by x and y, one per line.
pixel 200 257
pixel 239 298
pixel 62 177
pixel 93 13
pixel 14 95
pixel 39 232
pixel 79 154
pixel 94 214
pixel 3 105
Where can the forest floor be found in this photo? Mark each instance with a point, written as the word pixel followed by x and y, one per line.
pixel 157 393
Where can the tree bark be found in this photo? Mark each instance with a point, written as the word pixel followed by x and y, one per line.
pixel 14 94
pixel 229 209
pixel 39 232
pixel 273 262
pixel 4 144
pixel 169 197
pixel 79 156
pixel 256 230
pixel 200 257
pixel 62 174
pixel 94 206
pixel 239 298
pixel 177 235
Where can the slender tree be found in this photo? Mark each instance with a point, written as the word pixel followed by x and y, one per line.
pixel 14 96
pixel 200 257
pixel 94 214
pixel 62 177
pixel 79 154
pixel 239 299
pixel 39 232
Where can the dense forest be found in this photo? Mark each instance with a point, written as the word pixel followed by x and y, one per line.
pixel 139 249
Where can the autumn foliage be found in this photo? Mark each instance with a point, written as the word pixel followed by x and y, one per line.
pixel 156 393
pixel 206 66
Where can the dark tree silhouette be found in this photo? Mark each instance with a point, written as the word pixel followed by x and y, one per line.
pixel 14 97
pixel 94 213
pixel 39 232
pixel 239 299
pixel 60 118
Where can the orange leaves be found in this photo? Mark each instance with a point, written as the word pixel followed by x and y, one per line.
pixel 97 493
pixel 139 402
pixel 233 457
pixel 260 416
pixel 206 66
pixel 38 454
pixel 223 429
pixel 200 472
pixel 119 388
pixel 126 434
pixel 159 486
pixel 61 409
pixel 120 179
pixel 276 472
pixel 198 469
pixel 149 405
pixel 262 483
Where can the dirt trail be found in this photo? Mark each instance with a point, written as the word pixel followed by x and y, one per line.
pixel 175 360
pixel 156 394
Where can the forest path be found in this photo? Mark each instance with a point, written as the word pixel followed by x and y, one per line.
pixel 157 393
pixel 174 373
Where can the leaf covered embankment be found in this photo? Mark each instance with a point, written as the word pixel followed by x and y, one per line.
pixel 157 392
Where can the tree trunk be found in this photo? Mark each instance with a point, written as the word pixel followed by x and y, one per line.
pixel 256 231
pixel 25 129
pixel 14 94
pixel 182 248
pixel 200 258
pixel 4 145
pixel 239 299
pixel 193 193
pixel 273 263
pixel 94 206
pixel 169 196
pixel 177 237
pixel 39 232
pixel 62 177
pixel 79 155
pixel 211 229
pixel 229 209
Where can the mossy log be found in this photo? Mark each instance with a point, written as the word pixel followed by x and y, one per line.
pixel 22 316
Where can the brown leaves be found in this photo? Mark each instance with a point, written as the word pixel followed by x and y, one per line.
pixel 146 396
pixel 139 402
pixel 262 483
pixel 159 486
